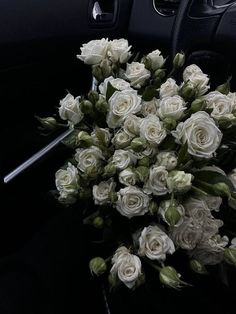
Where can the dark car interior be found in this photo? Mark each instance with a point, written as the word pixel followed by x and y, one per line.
pixel 39 40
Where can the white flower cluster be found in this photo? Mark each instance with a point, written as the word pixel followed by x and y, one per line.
pixel 144 145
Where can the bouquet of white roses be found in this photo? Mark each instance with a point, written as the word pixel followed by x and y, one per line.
pixel 152 151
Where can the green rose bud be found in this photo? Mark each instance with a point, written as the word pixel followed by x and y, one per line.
pixel 187 92
pixel 138 144
pixel 198 105
pixel 92 171
pixel 230 256
pixel 47 123
pixel 172 216
pixel 106 68
pixel 97 266
pixel 153 207
pixel 97 73
pixel 160 74
pixel 197 267
pixel 169 123
pixel 170 278
pixel 142 173
pixel 179 60
pixel 224 88
pixel 147 62
pixel 86 106
pixel 113 197
pixel 98 222
pixel 102 105
pixel 93 96
pixel 222 189
pixel 145 161
pixel 84 139
pixel 109 170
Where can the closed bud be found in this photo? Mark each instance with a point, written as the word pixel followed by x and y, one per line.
pixel 198 105
pixel 230 256
pixel 170 278
pixel 93 96
pixel 84 139
pixel 145 161
pixel 142 173
pixel 92 172
pixel 172 215
pixel 97 266
pixel 97 73
pixel 138 144
pixel 113 197
pixel 153 207
pixel 197 267
pixel 224 88
pixel 222 189
pixel 187 92
pixel 179 60
pixel 106 68
pixel 47 123
pixel 147 62
pixel 160 74
pixel 109 170
pixel 98 222
pixel 102 105
pixel 86 106
pixel 169 123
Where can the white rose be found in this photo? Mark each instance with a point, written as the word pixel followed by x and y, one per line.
pixel 94 51
pixel 211 227
pixel 197 209
pixel 127 177
pixel 194 76
pixel 213 202
pixel 117 83
pixel 101 136
pixel 200 133
pixel 67 183
pixel 122 250
pixel 131 125
pixel 232 96
pixel 165 205
pixel 169 88
pixel 157 181
pixel 220 104
pixel 187 235
pixel 70 109
pixel 132 202
pixel 167 160
pixel 150 151
pixel 211 251
pixel 128 268
pixel 89 157
pixel 179 181
pixel 149 107
pixel 121 139
pixel 136 74
pixel 122 159
pixel 152 130
pixel 155 244
pixel 119 50
pixel 102 191
pixel 171 107
pixel 190 71
pixel 121 104
pixel 233 244
pixel 156 59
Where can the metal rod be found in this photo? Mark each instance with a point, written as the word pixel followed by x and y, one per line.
pixel 44 150
pixel 36 156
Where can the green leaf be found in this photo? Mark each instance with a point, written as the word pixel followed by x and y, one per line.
pixel 212 177
pixel 183 154
pixel 149 93
pixel 110 90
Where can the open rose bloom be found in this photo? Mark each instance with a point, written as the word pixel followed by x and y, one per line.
pixel 153 159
